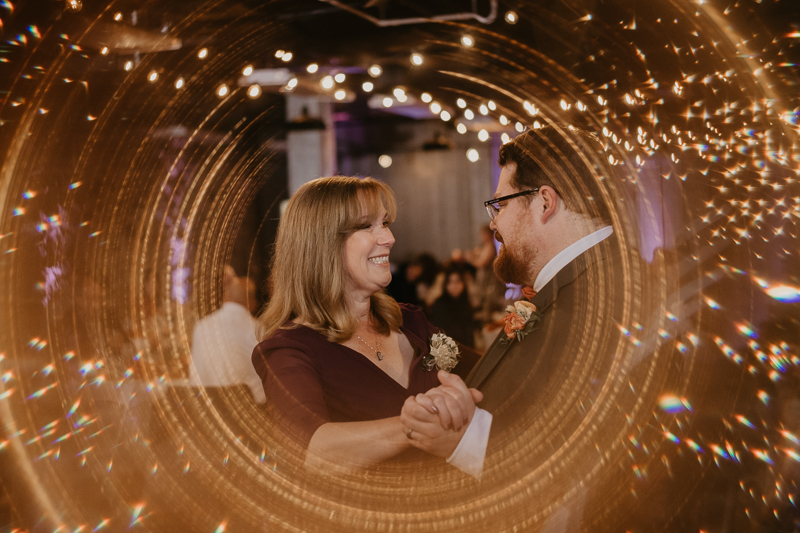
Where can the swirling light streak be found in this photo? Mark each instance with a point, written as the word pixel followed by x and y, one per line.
pixel 701 133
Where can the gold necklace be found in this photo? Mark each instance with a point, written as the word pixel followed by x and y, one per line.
pixel 376 350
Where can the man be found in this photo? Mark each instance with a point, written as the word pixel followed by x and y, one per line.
pixel 551 215
pixel 223 342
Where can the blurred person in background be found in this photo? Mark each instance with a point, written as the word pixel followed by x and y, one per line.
pixel 452 311
pixel 403 286
pixel 223 342
pixel 489 290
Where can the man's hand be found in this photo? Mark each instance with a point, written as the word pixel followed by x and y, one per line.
pixel 437 420
pixel 452 401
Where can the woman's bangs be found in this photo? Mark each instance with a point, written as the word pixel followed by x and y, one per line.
pixel 369 204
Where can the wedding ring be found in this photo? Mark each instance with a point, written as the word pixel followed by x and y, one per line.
pixel 408 433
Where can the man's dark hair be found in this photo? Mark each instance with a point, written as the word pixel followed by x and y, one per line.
pixel 570 161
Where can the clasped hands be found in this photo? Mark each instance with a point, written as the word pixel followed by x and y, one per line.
pixel 436 420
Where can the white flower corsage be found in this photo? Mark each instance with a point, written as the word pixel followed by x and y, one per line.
pixel 443 355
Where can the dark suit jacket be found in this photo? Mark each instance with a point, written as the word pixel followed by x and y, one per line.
pixel 540 389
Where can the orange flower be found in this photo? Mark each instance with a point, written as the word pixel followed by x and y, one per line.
pixel 514 323
pixel 528 292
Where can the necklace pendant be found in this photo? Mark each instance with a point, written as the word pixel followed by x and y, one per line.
pixel 380 356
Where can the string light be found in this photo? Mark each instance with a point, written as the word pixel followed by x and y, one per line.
pixel 416 59
pixel 246 71
pixel 202 53
pixel 375 71
pixel 468 41
pixel 367 86
pixel 312 68
pixel 222 90
pixel 254 91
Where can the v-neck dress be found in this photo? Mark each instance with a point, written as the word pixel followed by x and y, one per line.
pixel 310 381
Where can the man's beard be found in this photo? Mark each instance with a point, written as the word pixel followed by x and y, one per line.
pixel 511 267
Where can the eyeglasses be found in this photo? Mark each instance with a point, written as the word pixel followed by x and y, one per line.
pixel 493 209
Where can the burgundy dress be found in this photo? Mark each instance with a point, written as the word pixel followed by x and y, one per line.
pixel 310 381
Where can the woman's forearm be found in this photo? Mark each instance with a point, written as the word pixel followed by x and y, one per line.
pixel 354 445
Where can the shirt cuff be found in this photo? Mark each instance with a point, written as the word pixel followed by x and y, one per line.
pixel 471 450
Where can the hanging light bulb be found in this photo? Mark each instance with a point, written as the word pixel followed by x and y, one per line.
pixel 254 91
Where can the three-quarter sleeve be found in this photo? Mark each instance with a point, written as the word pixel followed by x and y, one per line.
pixel 294 391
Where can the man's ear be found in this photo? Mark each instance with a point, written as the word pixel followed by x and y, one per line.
pixel 549 202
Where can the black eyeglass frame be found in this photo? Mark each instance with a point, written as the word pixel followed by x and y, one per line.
pixel 491 206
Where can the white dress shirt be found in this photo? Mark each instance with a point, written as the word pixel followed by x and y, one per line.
pixel 222 347
pixel 471 450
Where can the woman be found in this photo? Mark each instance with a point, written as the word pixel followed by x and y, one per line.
pixel 453 310
pixel 339 356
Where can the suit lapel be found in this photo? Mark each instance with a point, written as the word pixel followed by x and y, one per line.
pixel 543 300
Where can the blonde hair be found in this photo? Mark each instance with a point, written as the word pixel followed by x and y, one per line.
pixel 308 275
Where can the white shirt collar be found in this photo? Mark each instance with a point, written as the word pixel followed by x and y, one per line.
pixel 569 253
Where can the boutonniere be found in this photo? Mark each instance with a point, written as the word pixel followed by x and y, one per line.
pixel 443 354
pixel 520 320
